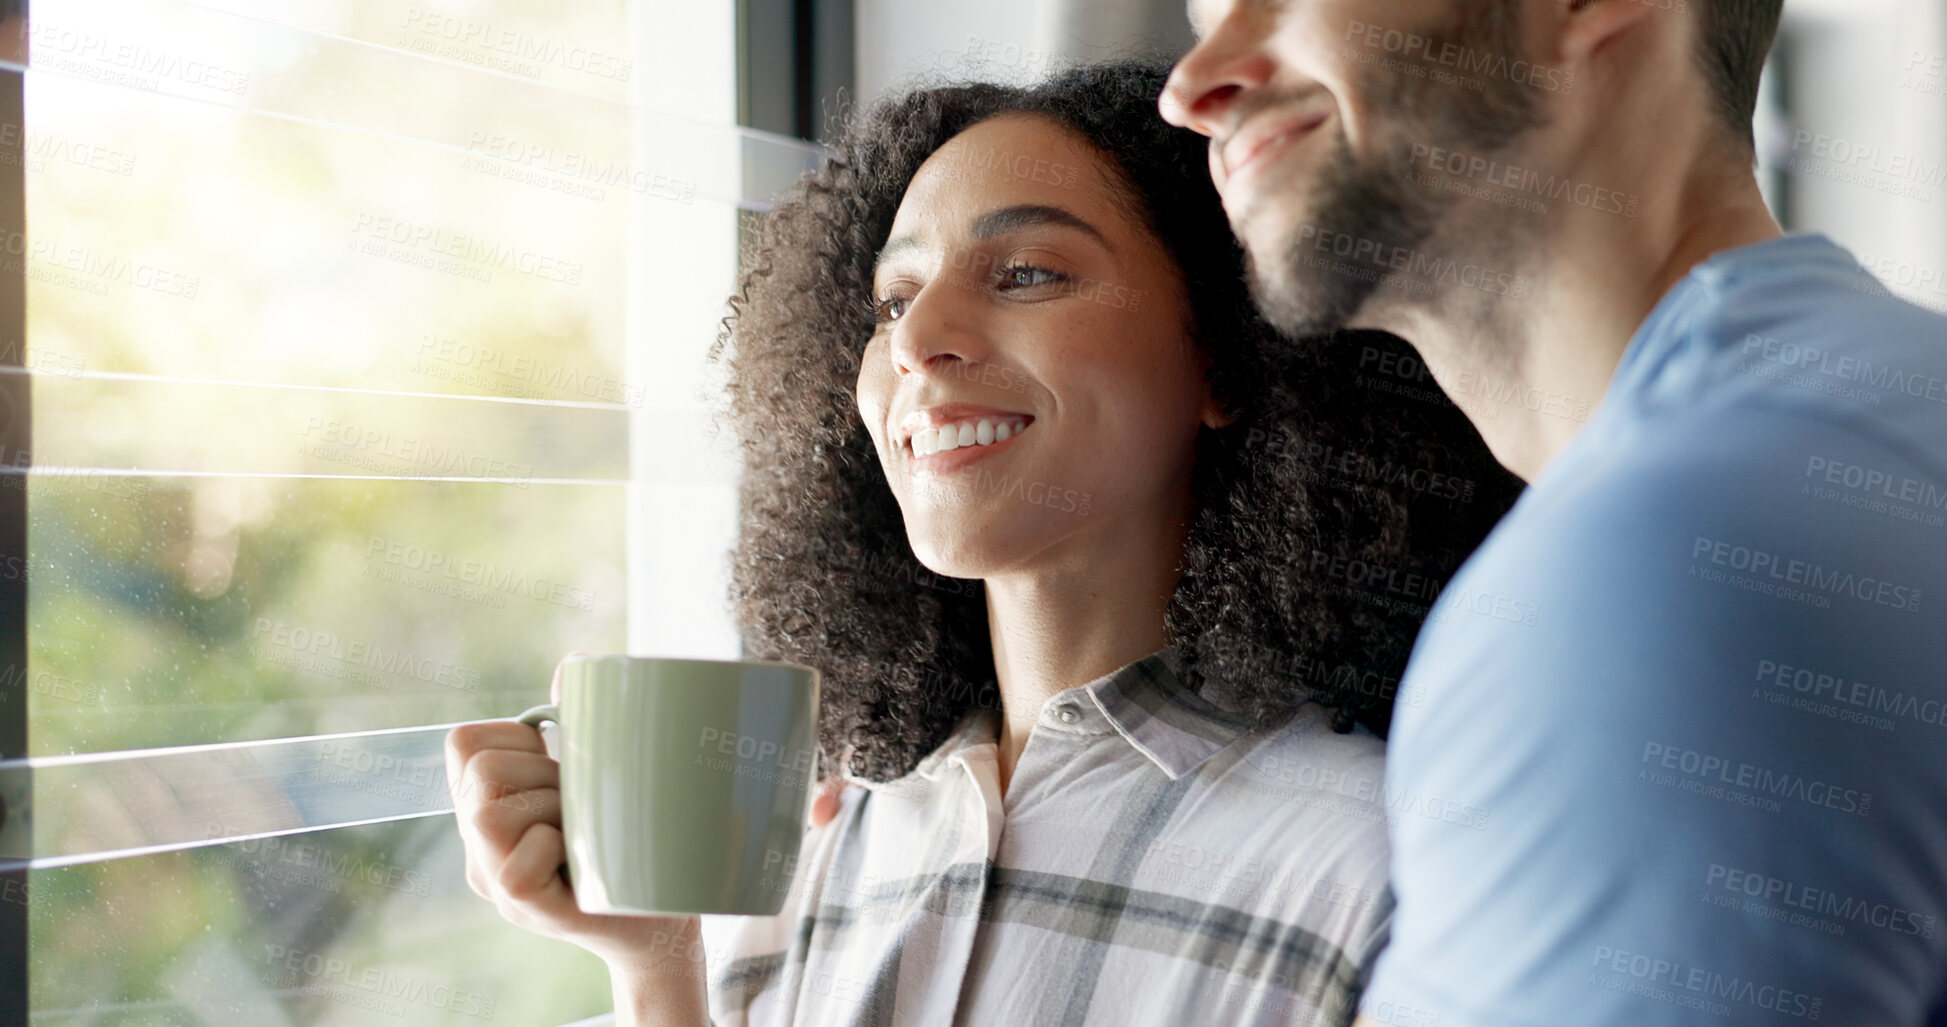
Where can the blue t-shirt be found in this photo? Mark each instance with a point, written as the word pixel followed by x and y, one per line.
pixel 1689 699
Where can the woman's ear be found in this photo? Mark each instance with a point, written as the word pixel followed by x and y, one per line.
pixel 1214 415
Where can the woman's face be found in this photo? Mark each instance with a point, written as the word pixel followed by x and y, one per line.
pixel 1030 386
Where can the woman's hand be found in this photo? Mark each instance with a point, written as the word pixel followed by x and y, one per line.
pixel 507 800
pixel 824 801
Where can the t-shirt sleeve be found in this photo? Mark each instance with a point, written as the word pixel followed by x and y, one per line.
pixel 1677 748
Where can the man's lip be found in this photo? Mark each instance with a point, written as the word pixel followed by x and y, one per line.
pixel 1249 145
pixel 950 413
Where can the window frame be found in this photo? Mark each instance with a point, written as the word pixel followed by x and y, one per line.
pixel 820 43
pixel 16 443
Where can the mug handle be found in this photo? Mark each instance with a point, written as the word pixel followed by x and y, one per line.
pixel 534 717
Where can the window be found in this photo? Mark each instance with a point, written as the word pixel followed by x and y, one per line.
pixel 365 344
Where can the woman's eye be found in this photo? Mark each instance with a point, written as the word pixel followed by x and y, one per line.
pixel 892 308
pixel 1021 276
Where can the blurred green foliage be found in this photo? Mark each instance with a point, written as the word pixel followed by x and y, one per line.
pixel 218 243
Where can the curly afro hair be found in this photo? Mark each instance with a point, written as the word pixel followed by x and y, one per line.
pixel 1328 513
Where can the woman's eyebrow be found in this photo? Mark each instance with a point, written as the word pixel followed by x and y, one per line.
pixel 895 247
pixel 1000 222
pixel 1012 219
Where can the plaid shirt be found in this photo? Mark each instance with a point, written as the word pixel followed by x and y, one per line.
pixel 1156 861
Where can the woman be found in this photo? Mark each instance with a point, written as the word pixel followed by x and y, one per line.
pixel 1102 577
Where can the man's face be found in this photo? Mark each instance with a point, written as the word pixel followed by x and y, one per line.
pixel 1315 109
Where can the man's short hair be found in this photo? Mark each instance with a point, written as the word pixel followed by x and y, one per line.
pixel 1733 37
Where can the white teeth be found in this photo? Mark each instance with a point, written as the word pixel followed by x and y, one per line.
pixel 928 441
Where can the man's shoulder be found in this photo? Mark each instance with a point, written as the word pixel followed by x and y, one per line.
pixel 1663 575
pixel 1737 472
pixel 1819 339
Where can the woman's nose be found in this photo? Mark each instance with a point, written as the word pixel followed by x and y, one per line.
pixel 937 332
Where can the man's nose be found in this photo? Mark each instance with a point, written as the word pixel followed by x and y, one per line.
pixel 1205 86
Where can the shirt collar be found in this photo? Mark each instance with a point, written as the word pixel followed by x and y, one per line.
pixel 1147 703
pixel 1154 710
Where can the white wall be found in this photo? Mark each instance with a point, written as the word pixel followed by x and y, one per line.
pixel 1863 145
pixel 1005 40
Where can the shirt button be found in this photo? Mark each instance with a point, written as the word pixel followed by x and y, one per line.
pixel 1067 714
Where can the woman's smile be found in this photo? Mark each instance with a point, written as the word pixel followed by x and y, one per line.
pixel 943 439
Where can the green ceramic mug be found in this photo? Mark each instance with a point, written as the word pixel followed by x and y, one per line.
pixel 684 783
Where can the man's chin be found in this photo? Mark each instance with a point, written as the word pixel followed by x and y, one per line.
pixel 1300 297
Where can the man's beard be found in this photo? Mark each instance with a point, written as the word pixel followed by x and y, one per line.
pixel 1302 286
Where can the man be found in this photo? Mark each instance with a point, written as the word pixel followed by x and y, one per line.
pixel 1695 684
